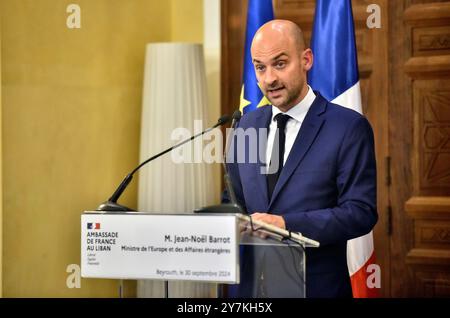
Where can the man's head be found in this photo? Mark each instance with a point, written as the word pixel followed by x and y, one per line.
pixel 281 62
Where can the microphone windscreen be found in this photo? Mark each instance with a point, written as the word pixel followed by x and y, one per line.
pixel 223 120
pixel 237 115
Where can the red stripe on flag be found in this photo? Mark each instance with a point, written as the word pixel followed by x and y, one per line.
pixel 359 281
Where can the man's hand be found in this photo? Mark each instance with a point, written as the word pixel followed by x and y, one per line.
pixel 275 220
pixel 270 219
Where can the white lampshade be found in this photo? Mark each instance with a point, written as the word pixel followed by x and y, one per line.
pixel 174 96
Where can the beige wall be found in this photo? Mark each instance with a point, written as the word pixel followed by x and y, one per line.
pixel 70 118
pixel 187 21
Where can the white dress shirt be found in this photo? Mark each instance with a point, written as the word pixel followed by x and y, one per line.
pixel 297 113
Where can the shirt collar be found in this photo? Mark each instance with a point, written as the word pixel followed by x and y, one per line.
pixel 298 112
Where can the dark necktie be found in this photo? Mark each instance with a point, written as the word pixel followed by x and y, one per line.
pixel 276 159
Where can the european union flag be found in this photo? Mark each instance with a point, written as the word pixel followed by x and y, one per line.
pixel 259 12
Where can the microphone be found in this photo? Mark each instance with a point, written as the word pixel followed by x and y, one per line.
pixel 233 206
pixel 235 120
pixel 112 205
pixel 236 117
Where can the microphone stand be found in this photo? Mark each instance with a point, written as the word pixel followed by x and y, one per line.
pixel 233 206
pixel 112 205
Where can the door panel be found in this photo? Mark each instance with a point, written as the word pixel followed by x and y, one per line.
pixel 420 99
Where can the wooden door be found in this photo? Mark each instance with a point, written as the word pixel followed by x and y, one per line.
pixel 373 66
pixel 419 133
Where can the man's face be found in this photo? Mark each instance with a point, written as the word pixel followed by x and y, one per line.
pixel 279 70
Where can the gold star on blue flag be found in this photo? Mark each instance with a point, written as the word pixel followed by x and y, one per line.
pixel 259 12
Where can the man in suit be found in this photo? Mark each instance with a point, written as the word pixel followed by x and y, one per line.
pixel 321 171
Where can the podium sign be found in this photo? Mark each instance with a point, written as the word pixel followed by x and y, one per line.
pixel 135 245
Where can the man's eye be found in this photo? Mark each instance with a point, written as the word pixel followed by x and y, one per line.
pixel 259 68
pixel 280 64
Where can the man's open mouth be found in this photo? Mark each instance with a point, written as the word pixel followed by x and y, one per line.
pixel 274 91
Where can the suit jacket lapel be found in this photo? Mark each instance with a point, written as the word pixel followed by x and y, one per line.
pixel 306 136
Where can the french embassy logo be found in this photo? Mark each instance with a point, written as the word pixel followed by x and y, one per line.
pixel 93 226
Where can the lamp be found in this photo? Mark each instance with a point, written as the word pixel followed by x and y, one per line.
pixel 174 96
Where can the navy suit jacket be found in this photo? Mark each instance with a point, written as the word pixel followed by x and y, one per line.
pixel 326 190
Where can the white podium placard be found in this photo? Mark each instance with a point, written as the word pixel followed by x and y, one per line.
pixel 160 246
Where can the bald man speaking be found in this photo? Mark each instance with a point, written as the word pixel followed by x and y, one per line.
pixel 320 176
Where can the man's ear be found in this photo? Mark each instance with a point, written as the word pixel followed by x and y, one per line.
pixel 307 59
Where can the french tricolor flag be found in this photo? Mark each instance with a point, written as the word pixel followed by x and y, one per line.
pixel 93 226
pixel 335 76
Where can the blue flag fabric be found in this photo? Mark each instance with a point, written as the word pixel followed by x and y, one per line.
pixel 335 67
pixel 259 12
